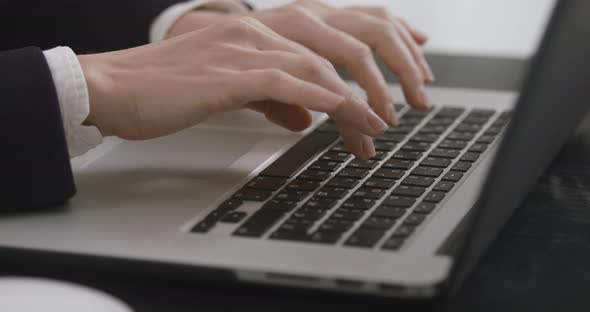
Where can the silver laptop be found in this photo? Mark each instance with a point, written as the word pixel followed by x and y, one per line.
pixel 238 196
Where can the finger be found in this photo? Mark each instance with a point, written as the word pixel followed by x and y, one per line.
pixel 384 14
pixel 411 37
pixel 346 51
pixel 420 37
pixel 361 146
pixel 273 84
pixel 355 112
pixel 387 42
pixel 416 52
pixel 291 117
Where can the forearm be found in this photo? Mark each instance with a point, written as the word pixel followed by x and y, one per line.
pixel 35 164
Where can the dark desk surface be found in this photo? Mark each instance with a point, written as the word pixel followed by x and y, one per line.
pixel 540 262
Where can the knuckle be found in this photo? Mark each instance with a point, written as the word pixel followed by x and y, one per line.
pixel 240 27
pixel 382 12
pixel 309 66
pixel 273 78
pixel 360 53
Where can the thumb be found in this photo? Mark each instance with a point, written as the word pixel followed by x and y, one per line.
pixel 291 117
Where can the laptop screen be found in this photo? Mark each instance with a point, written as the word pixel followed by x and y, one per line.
pixel 553 101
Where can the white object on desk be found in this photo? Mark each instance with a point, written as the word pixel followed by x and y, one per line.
pixel 34 295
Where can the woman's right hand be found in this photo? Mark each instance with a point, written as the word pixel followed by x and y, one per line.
pixel 161 88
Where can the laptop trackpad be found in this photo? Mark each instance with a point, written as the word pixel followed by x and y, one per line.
pixel 190 169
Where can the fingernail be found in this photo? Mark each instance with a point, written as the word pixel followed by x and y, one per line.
pixel 391 115
pixel 423 97
pixel 376 123
pixel 368 148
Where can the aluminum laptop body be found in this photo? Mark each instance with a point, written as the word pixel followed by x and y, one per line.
pixel 145 202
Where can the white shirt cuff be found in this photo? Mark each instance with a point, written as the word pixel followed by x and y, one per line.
pixel 72 94
pixel 166 19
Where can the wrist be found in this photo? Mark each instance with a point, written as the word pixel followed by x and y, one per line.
pixel 96 68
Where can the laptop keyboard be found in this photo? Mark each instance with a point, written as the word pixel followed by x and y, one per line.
pixel 318 193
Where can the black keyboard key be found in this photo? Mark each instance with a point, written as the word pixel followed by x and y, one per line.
pixel 392 137
pixel 427 135
pixel 303 185
pixel 434 197
pixel 410 191
pixel 444 186
pixel 362 164
pixel 234 217
pixel 353 173
pixel 209 221
pixel 376 222
pixel 379 155
pixel 329 166
pixel 427 171
pixel 260 222
pixel 465 127
pixel 453 144
pixel 314 175
pixel 230 204
pixel 384 173
pixel 335 225
pixel 252 195
pixel 379 183
pixel 393 243
pixel 266 183
pixel 332 192
pixel 463 136
pixel 343 182
pixel 350 215
pixel 325 237
pixel 357 203
pixel 453 176
pixel 283 205
pixel 485 139
pixel 441 121
pixel 462 166
pixel 417 114
pixel 374 193
pixel 320 203
pixel 365 238
pixel 385 146
pixel 416 146
pixel 340 147
pixel 404 231
pixel 418 181
pixel 408 155
pixel 398 164
pixel 476 120
pixel 480 112
pixel 470 157
pixel 399 130
pixel 450 111
pixel 436 162
pixel 432 131
pixel 399 201
pixel 336 156
pixel 424 208
pixel 294 196
pixel 444 153
pixel 478 148
pixel 493 130
pixel 389 212
pixel 399 106
pixel 299 155
pixel 297 225
pixel 414 219
pixel 308 214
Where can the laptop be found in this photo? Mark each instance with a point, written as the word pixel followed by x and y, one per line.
pixel 239 199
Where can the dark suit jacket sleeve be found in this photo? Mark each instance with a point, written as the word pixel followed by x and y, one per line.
pixel 34 166
pixel 85 26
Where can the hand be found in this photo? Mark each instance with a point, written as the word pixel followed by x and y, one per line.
pixel 346 37
pixel 161 88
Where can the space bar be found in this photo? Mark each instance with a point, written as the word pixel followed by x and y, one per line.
pixel 299 155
